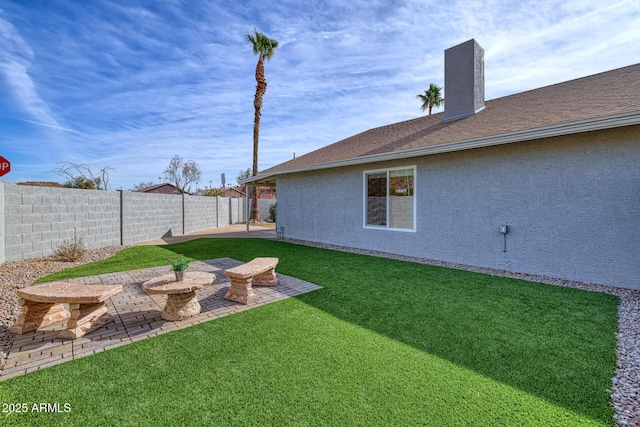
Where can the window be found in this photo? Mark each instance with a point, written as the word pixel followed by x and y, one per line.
pixel 390 199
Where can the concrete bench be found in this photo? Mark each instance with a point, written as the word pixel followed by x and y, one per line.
pixel 42 306
pixel 258 272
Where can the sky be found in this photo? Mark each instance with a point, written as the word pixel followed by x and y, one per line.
pixel 126 85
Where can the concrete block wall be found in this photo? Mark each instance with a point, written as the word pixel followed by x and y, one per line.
pixel 237 213
pixel 96 216
pixel 200 213
pixel 147 216
pixel 2 255
pixel 34 221
pixel 222 210
pixel 263 208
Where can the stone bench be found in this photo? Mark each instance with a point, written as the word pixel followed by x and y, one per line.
pixel 182 302
pixel 42 306
pixel 258 272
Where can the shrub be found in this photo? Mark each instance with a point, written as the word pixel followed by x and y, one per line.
pixel 179 264
pixel 70 251
pixel 272 212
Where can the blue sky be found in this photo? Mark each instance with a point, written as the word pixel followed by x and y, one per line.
pixel 129 84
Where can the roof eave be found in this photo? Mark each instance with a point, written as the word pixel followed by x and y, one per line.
pixel 601 123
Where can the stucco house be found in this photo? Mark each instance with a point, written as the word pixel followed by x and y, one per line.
pixel 234 192
pixel 543 182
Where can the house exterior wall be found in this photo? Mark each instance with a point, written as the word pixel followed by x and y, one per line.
pixel 571 204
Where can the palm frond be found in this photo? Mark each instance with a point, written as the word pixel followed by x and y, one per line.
pixel 262 45
pixel 432 97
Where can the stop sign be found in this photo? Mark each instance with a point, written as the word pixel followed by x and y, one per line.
pixel 5 166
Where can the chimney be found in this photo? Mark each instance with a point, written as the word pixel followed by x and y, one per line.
pixel 463 80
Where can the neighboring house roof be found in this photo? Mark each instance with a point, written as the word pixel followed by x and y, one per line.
pixel 263 192
pixel 600 101
pixel 42 184
pixel 165 188
pixel 234 192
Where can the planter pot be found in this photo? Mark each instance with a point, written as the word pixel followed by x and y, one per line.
pixel 179 275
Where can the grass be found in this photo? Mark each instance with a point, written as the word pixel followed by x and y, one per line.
pixel 384 343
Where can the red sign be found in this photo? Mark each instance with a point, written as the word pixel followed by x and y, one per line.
pixel 5 166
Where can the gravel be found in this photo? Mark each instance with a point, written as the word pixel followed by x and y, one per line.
pixel 19 274
pixel 625 388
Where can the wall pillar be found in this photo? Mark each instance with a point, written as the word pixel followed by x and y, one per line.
pixel 121 217
pixel 246 208
pixel 217 212
pixel 183 219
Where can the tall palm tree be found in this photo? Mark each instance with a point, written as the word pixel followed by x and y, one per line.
pixel 265 48
pixel 431 97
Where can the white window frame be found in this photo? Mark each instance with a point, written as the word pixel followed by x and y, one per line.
pixel 364 199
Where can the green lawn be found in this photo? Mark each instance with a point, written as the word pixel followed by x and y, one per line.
pixel 384 343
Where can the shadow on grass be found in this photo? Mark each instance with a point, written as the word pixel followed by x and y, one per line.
pixel 553 342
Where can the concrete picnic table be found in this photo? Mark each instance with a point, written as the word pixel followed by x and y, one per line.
pixel 182 302
pixel 41 306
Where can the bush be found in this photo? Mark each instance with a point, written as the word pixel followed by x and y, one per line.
pixel 70 251
pixel 272 212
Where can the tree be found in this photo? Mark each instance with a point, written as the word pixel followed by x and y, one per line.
pixel 213 192
pixel 81 176
pixel 182 174
pixel 143 185
pixel 265 48
pixel 82 183
pixel 431 97
pixel 242 175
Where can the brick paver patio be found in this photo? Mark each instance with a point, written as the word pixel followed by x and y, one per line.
pixel 137 315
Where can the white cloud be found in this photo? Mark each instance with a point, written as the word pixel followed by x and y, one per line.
pixel 15 58
pixel 142 84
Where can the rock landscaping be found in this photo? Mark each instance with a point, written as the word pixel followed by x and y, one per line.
pixel 625 390
pixel 15 275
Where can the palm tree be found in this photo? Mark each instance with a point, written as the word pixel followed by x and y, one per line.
pixel 431 97
pixel 265 48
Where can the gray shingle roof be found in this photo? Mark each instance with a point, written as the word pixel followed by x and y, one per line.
pixel 579 105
